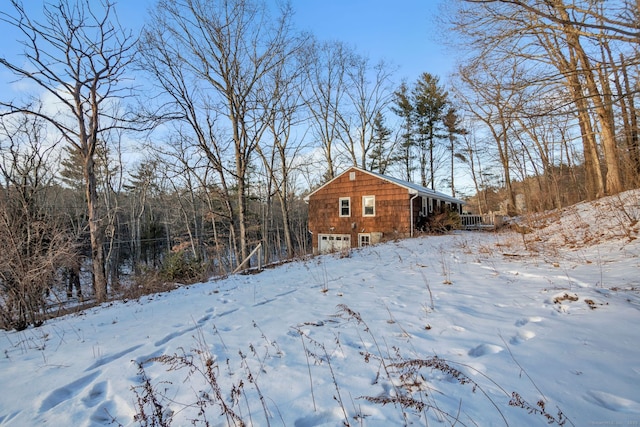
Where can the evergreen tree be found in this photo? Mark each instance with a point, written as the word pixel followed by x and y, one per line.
pixel 380 155
pixel 145 230
pixel 403 108
pixel 72 171
pixel 72 175
pixel 430 100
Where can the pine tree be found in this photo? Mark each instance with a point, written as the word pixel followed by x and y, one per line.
pixel 430 100
pixel 403 108
pixel 380 155
pixel 71 173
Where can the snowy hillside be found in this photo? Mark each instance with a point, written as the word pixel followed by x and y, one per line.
pixel 469 329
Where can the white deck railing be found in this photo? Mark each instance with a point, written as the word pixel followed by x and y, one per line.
pixel 485 221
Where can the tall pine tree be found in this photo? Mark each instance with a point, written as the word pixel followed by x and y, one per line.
pixel 380 154
pixel 403 108
pixel 430 100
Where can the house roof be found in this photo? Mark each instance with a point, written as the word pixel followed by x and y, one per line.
pixel 411 187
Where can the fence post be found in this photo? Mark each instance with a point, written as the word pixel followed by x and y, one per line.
pixel 244 261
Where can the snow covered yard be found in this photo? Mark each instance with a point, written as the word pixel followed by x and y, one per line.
pixel 442 328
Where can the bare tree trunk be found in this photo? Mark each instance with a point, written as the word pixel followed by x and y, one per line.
pixel 228 49
pixel 367 98
pixel 607 130
pixel 96 229
pixel 498 100
pixel 79 57
pixel 568 67
pixel 326 74
pixel 633 144
pixel 470 149
pixel 570 32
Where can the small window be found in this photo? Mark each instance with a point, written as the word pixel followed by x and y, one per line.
pixel 369 206
pixel 364 239
pixel 345 206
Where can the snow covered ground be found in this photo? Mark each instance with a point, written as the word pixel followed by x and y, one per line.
pixel 445 328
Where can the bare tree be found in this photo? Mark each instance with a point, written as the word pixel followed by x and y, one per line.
pixel 585 69
pixel 35 240
pixel 79 55
pixel 140 189
pixel 565 46
pixel 452 124
pixel 325 96
pixel 369 91
pixel 282 95
pixel 210 57
pixel 496 97
pixel 474 161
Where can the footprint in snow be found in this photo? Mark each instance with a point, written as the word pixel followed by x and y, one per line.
pixel 173 335
pixel 110 358
pixel 522 336
pixel 9 417
pixel 286 293
pixel 66 392
pixel 320 418
pixel 532 319
pixel 484 349
pixel 613 402
pixel 105 414
pixel 96 395
pixel 226 313
pixel 204 319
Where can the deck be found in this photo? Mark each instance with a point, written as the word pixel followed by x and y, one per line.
pixel 489 221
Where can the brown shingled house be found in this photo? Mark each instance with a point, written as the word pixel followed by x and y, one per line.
pixel 359 207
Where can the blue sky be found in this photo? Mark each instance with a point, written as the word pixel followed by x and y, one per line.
pixel 402 32
pixel 399 31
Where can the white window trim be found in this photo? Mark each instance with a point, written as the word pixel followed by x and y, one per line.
pixel 348 199
pixel 374 206
pixel 361 239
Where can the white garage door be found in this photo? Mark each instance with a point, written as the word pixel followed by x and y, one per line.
pixel 333 242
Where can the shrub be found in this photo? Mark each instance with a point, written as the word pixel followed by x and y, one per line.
pixel 34 248
pixel 145 283
pixel 180 266
pixel 443 222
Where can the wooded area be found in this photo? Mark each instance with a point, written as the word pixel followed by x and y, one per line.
pixel 236 116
